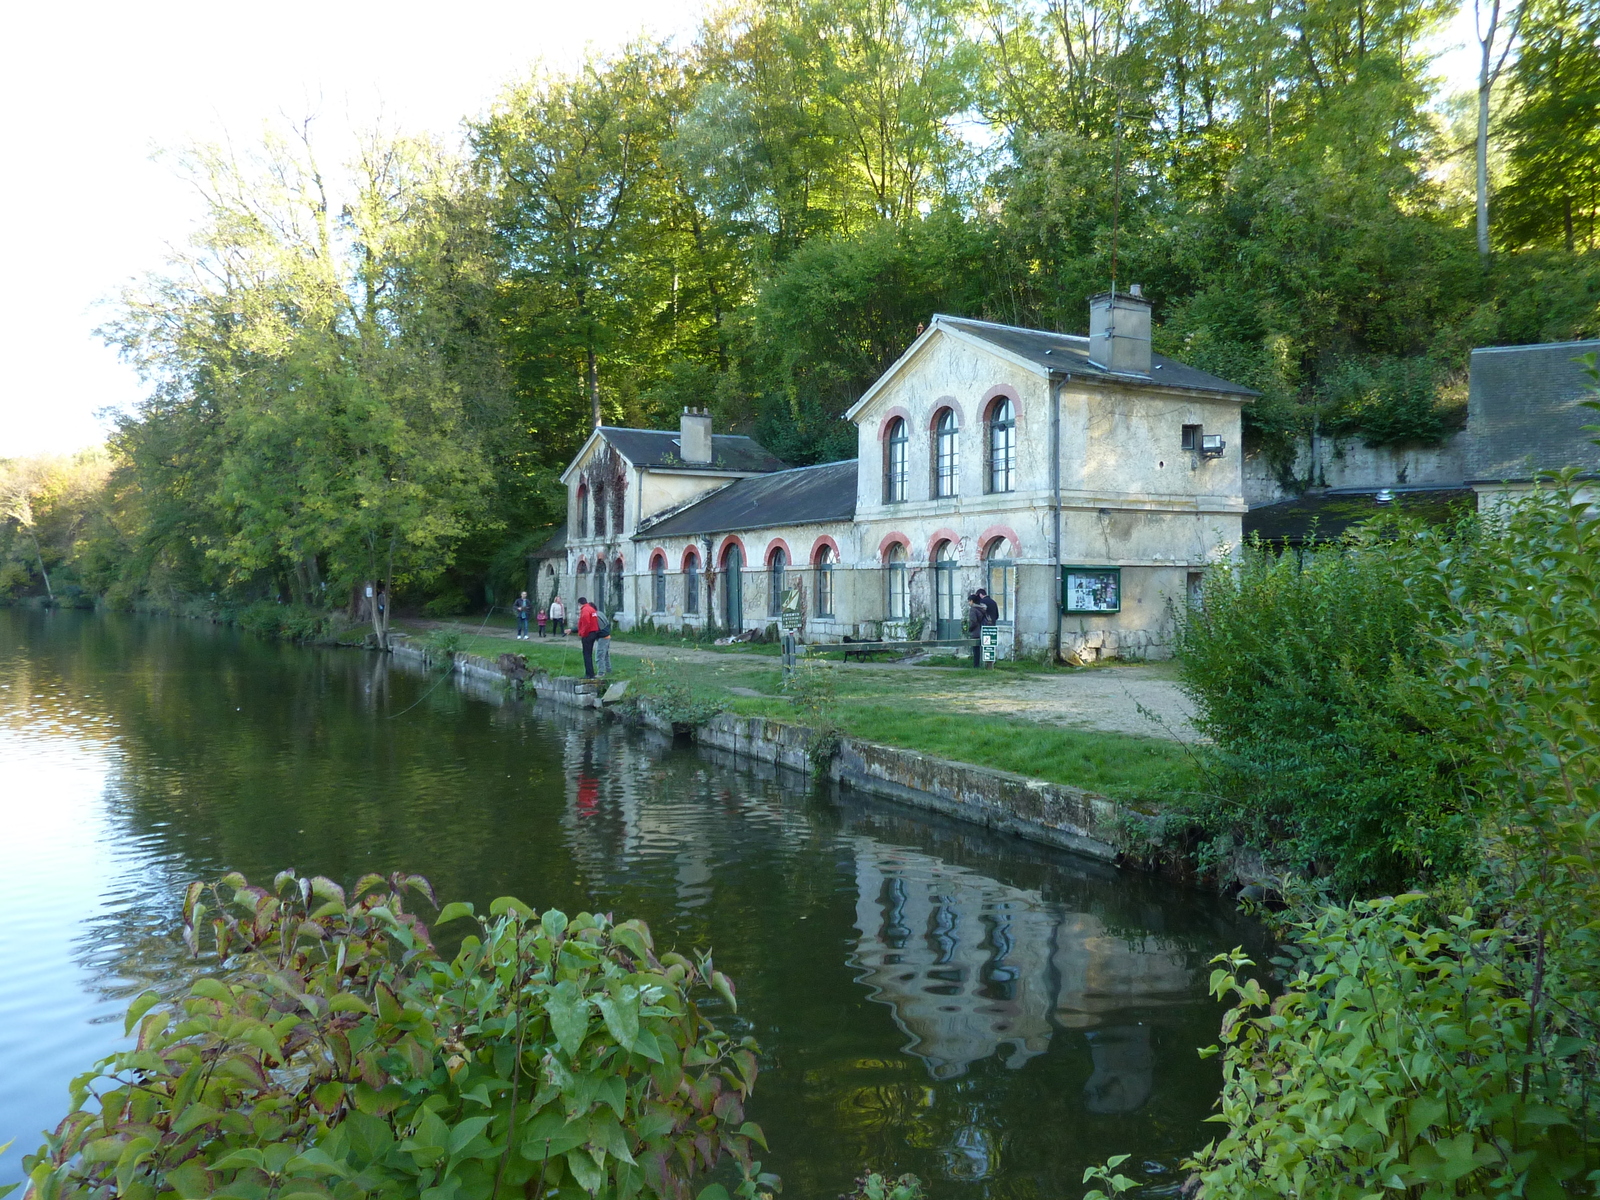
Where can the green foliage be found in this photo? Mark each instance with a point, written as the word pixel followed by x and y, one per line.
pixel 290 622
pixel 1401 1059
pixel 444 644
pixel 874 1186
pixel 450 603
pixel 329 1052
pixel 1314 675
pixel 1450 1045
pixel 813 688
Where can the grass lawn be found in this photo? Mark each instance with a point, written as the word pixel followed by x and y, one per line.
pixel 902 708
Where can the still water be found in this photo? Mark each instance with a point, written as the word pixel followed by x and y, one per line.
pixel 988 1014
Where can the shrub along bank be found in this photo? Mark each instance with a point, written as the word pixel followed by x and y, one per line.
pixel 1442 1042
pixel 328 1051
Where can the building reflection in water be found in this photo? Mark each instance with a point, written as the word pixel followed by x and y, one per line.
pixel 972 967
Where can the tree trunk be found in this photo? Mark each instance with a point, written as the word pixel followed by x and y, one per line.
pixel 1485 83
pixel 50 592
pixel 594 386
pixel 1566 221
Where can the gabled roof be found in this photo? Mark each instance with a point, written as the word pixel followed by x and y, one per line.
pixel 798 496
pixel 1069 353
pixel 1526 413
pixel 1047 353
pixel 659 449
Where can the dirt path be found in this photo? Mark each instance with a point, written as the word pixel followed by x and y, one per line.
pixel 1141 699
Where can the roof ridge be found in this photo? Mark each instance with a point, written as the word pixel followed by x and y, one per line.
pixel 1536 346
pixel 670 432
pixel 1077 337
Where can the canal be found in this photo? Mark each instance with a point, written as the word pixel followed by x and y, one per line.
pixel 989 1014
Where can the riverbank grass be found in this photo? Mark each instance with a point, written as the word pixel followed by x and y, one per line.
pixel 908 710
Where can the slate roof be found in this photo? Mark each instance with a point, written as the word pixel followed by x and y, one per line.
pixel 1525 411
pixel 1070 353
pixel 658 448
pixel 798 496
pixel 1332 513
pixel 554 546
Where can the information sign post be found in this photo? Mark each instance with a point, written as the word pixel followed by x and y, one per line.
pixel 989 643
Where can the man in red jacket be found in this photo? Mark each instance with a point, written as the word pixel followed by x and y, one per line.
pixel 589 632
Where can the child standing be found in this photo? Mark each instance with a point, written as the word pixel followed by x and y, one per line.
pixel 543 616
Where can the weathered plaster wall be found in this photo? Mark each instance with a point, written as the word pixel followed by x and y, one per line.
pixel 1351 463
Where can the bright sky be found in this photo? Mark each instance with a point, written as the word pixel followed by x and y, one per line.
pixel 90 90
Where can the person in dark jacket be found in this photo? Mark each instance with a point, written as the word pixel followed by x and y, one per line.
pixel 588 633
pixel 991 609
pixel 977 617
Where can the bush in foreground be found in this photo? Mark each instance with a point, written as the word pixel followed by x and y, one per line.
pixel 333 1054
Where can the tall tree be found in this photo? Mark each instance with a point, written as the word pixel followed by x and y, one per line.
pixel 1553 189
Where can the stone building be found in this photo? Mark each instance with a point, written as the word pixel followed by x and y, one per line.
pixel 1084 481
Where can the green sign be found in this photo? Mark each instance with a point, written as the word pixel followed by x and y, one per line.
pixel 989 642
pixel 1091 589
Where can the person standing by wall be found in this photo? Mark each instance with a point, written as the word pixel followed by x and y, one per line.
pixel 977 615
pixel 520 606
pixel 558 617
pixel 588 633
pixel 543 617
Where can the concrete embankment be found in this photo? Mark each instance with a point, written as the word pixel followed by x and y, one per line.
pixel 1051 813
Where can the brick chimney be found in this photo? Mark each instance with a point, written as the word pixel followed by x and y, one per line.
pixel 694 436
pixel 1119 331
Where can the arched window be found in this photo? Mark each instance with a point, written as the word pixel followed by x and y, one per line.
pixel 894 467
pixel 658 583
pixel 1000 576
pixel 733 587
pixel 1002 446
pixel 581 583
pixel 583 512
pixel 616 586
pixel 946 455
pixel 600 594
pixel 898 600
pixel 691 583
pixel 948 609
pixel 775 568
pixel 599 512
pixel 825 582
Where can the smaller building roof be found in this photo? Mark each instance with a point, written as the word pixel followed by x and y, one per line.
pixel 1070 353
pixel 554 546
pixel 1329 515
pixel 1526 413
pixel 798 496
pixel 659 450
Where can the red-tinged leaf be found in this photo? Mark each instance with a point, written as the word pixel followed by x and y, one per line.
pixel 191 897
pixel 326 889
pixel 365 884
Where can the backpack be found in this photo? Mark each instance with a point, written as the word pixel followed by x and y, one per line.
pixel 605 623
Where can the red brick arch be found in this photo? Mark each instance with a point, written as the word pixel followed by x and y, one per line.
pixel 1005 531
pixel 779 544
pixel 888 420
pixel 732 539
pixel 986 406
pixel 658 555
pixel 943 535
pixel 942 403
pixel 691 551
pixel 822 541
pixel 893 539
